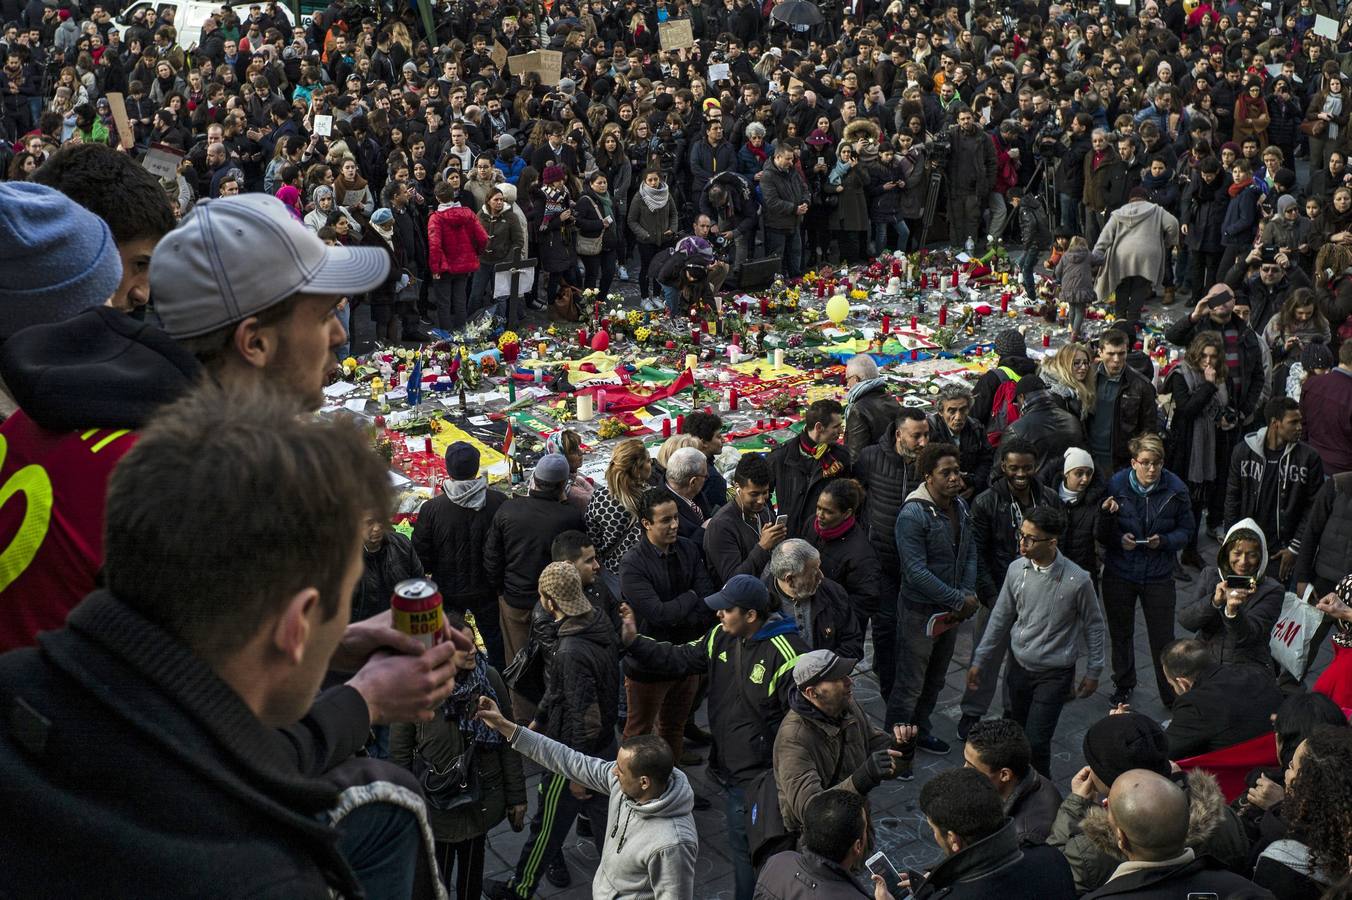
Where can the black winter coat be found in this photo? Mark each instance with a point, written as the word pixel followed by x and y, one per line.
pixel 451 540
pixel 868 418
pixel 732 544
pixel 1188 406
pixel 581 702
pixel 667 594
pixel 1228 705
pixel 976 455
pixel 1251 378
pixel 1243 639
pixel 971 165
pixel 1203 210
pixel 996 866
pixel 884 205
pixel 888 478
pixel 1299 475
pixel 519 539
pixel 797 481
pixel 1033 807
pixel 1078 542
pixel 1326 539
pixel 835 626
pixel 851 562
pixel 989 383
pixel 1136 413
pixel 1203 877
pixel 995 527
pixel 1048 427
pixel 392 562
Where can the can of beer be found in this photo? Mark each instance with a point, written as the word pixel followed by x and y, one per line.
pixel 416 610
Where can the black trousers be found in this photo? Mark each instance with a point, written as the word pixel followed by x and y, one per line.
pixel 1037 699
pixel 554 814
pixel 462 866
pixel 1205 266
pixel 1132 293
pixel 1119 608
pixel 885 634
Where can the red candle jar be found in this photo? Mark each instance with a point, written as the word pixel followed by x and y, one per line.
pixel 924 281
pixel 943 315
pixel 915 322
pixel 887 323
pixel 582 337
pixel 821 289
pixel 1046 339
pixel 427 444
pixel 915 355
pixel 1004 302
pixel 666 428
pixel 896 267
pixel 765 306
pixel 680 422
pixel 732 399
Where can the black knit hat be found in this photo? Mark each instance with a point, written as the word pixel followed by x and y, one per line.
pixel 1010 343
pixel 1119 743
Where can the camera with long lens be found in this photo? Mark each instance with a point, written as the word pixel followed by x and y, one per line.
pixel 939 147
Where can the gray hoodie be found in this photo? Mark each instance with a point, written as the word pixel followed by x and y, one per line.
pixel 650 848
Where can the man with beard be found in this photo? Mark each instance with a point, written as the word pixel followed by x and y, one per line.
pixel 971 177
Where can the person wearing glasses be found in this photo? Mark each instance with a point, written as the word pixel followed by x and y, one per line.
pixel 1046 603
pixel 1146 519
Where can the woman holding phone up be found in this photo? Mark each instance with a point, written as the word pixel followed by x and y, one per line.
pixel 1145 519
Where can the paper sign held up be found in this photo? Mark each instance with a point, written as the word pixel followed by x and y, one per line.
pixel 550 66
pixel 1326 27
pixel 161 162
pixel 323 125
pixel 676 34
pixel 719 72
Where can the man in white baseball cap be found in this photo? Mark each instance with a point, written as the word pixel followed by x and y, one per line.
pixel 253 294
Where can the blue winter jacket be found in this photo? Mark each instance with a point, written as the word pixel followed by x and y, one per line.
pixel 1241 217
pixel 936 573
pixel 1166 511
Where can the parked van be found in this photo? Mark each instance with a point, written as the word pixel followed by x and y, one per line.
pixel 188 16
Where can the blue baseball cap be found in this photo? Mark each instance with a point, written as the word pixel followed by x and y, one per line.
pixel 744 591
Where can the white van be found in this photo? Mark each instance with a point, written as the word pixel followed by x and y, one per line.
pixel 188 16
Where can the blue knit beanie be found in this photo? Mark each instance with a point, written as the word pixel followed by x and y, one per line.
pixel 56 257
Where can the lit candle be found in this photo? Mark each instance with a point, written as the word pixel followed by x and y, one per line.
pixel 582 337
pixel 666 428
pixel 1004 302
pixel 821 289
pixel 1046 339
pixel 732 399
pixel 1004 278
pixel 915 322
pixel 691 360
pixel 680 423
pixel 779 358
pixel 585 409
pixel 427 444
pixel 943 315
pixel 924 281
pixel 540 349
pixel 954 276
pixel 887 323
pixel 713 326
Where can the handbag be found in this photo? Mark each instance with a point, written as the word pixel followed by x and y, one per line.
pixel 1314 127
pixel 453 786
pixel 1292 640
pixel 591 246
pixel 526 673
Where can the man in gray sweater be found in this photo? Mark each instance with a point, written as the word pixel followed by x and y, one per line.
pixel 651 846
pixel 1045 603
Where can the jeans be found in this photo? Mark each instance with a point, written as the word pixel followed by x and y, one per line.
pixel 1037 699
pixel 1070 213
pixel 451 293
pixel 381 842
pixel 646 276
pixel 977 702
pixel 1204 270
pixel 789 245
pixel 1027 263
pixel 921 667
pixel 853 246
pixel 734 808
pixel 671 296
pixel 481 290
pixel 881 231
pixel 344 312
pixel 1119 608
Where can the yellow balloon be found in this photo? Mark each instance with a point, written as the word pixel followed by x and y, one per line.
pixel 837 308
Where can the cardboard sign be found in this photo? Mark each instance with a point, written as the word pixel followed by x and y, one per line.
pixel 323 125
pixel 550 66
pixel 161 162
pixel 676 34
pixel 499 55
pixel 118 106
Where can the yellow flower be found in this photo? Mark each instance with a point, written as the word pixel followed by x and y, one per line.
pixel 642 333
pixel 858 294
pixel 506 338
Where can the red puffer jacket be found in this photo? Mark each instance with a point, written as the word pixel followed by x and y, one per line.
pixel 454 241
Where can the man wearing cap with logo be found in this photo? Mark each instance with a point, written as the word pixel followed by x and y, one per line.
pixel 748 657
pixel 245 294
pixel 826 741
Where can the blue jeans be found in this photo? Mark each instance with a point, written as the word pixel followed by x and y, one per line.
pixel 880 232
pixel 345 316
pixel 734 807
pixel 672 296
pixel 1070 212
pixel 381 842
pixel 790 245
pixel 1027 262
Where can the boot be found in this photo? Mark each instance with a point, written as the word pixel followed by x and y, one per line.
pixel 1168 297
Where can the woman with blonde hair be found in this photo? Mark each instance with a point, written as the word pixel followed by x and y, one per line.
pixel 1069 375
pixel 612 514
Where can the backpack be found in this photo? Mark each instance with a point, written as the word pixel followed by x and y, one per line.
pixel 1004 411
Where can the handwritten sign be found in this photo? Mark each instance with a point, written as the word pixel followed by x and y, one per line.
pixel 676 34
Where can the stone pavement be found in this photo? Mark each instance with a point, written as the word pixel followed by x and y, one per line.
pixel 900 826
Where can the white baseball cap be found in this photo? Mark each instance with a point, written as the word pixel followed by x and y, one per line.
pixel 234 257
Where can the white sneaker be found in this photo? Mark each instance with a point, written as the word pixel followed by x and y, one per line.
pixel 624 274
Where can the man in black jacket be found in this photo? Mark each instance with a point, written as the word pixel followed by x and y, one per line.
pixel 1124 406
pixel 579 709
pixel 887 471
pixel 800 467
pixel 1217 705
pixel 869 409
pixel 664 579
pixel 749 658
pixel 820 606
pixel 146 704
pixel 740 536
pixel 996 516
pixel 517 551
pixel 1046 425
pixel 998 749
pixel 953 423
pixel 450 537
pixel 971 178
pixel 1013 353
pixel 1148 815
pixel 1274 477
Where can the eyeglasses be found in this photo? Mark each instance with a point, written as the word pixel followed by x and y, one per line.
pixel 1149 464
pixel 1029 539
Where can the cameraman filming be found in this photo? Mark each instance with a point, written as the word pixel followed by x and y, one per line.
pixel 730 205
pixel 685 274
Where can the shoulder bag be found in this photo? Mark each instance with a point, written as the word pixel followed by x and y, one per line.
pixel 453 786
pixel 591 246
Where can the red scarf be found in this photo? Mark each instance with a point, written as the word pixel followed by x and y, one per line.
pixel 1235 189
pixel 830 534
pixel 830 465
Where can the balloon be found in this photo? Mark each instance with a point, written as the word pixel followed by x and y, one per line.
pixel 837 308
pixel 600 341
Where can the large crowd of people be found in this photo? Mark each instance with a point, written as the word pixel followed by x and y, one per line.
pixel 202 688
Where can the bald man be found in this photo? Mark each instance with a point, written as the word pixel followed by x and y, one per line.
pixel 869 409
pixel 1148 814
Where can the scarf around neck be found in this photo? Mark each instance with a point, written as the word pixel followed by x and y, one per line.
pixel 655 198
pixel 461 706
pixel 836 531
pixel 1237 189
pixel 1143 490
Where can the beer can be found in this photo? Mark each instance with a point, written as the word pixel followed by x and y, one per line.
pixel 416 610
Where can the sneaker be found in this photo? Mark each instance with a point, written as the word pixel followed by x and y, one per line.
pixel 1190 557
pixel 498 890
pixel 1120 695
pixel 965 725
pixel 557 874
pixel 931 744
pixel 624 274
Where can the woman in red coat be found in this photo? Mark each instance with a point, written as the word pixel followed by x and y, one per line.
pixel 455 238
pixel 1336 680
